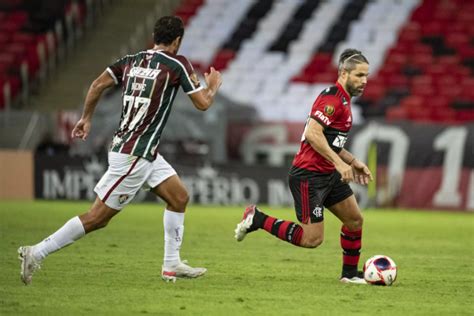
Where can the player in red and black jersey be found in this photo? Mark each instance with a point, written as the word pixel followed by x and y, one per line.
pixel 321 171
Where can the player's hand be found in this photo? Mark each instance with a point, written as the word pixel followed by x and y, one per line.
pixel 81 130
pixel 347 175
pixel 213 79
pixel 362 174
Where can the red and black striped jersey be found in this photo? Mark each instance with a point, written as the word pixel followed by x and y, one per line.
pixel 332 109
pixel 150 81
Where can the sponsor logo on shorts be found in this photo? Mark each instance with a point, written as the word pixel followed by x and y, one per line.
pixel 318 211
pixel 122 198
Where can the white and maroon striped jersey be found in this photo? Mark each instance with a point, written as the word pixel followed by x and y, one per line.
pixel 150 80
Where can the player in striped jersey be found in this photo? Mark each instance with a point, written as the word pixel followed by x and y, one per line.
pixel 150 81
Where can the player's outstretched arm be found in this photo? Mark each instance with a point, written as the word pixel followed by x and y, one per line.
pixel 314 134
pixel 362 174
pixel 203 99
pixel 82 127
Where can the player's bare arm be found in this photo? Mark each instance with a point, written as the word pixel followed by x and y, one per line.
pixel 315 136
pixel 362 174
pixel 204 98
pixel 98 86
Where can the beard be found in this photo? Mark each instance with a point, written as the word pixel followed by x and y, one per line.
pixel 353 90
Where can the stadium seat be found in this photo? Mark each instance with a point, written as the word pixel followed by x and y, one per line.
pixel 28 38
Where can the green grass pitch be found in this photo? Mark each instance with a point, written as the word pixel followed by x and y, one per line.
pixel 117 270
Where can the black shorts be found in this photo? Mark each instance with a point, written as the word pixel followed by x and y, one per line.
pixel 313 191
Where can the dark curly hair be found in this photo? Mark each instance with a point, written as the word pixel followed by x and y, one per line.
pixel 167 29
pixel 350 58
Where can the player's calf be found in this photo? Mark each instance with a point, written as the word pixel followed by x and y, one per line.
pixel 254 219
pixel 311 240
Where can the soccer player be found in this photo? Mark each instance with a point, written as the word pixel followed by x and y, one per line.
pixel 150 80
pixel 321 171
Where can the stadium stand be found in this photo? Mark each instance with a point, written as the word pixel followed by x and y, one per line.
pixel 33 35
pixel 277 55
pixel 47 103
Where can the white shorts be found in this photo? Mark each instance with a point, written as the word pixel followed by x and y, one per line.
pixel 127 174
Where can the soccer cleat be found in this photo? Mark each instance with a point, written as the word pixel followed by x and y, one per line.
pixel 28 263
pixel 243 228
pixel 181 270
pixel 357 279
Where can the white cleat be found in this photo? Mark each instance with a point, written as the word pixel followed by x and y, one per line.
pixel 28 263
pixel 242 228
pixel 181 270
pixel 353 280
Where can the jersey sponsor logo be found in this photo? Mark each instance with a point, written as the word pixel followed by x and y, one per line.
pixel 344 101
pixel 322 117
pixel 329 110
pixel 138 86
pixel 145 73
pixel 339 141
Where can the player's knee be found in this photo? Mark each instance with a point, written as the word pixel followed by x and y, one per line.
pixel 355 223
pixel 312 241
pixel 181 201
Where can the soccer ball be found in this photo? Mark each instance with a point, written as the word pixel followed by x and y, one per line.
pixel 380 270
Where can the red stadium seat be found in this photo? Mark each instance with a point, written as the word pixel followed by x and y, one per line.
pixel 421 80
pixel 396 113
pixel 374 90
pixel 412 101
pixel 397 81
pixel 436 101
pixel 420 48
pixel 451 92
pixel 222 58
pixel 466 51
pixel 20 17
pixel 328 77
pixel 423 90
pixel 422 60
pixel 447 115
pixel 457 40
pixel 432 28
pixel 419 113
pixel 396 59
pixel 24 38
pixel 444 81
pixel 9 27
pixel 465 115
pixel 4 38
